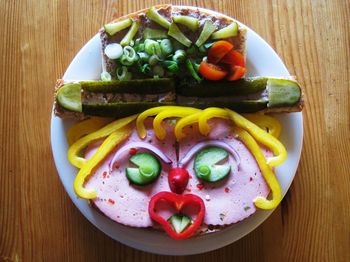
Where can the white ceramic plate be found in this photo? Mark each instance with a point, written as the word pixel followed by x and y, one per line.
pixel 261 60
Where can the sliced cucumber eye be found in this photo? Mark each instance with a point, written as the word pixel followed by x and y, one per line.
pixel 206 167
pixel 148 169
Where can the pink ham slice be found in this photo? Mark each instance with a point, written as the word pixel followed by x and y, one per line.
pixel 230 200
pixel 227 201
pixel 116 197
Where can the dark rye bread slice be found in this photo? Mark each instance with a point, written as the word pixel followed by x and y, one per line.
pixel 168 11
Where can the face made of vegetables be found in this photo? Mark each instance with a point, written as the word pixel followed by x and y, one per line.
pixel 181 168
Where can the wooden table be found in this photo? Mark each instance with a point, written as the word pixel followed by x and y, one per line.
pixel 38 221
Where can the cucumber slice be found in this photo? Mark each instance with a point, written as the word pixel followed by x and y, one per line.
pixel 191 22
pixel 179 222
pixel 205 164
pixel 130 34
pixel 176 33
pixel 156 17
pixel 148 170
pixel 69 97
pixel 226 32
pixel 150 33
pixel 114 28
pixel 207 30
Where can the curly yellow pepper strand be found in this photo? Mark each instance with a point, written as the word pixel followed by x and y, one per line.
pixel 204 127
pixel 140 126
pixel 183 122
pixel 85 127
pixel 263 137
pixel 107 146
pixel 266 171
pixel 172 112
pixel 268 123
pixel 78 146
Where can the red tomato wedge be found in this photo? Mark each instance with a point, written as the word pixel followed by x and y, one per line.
pixel 211 71
pixel 236 73
pixel 233 58
pixel 218 50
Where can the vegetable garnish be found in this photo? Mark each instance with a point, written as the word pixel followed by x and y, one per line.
pixel 114 28
pixel 233 57
pixel 107 146
pixel 179 202
pixel 75 149
pixel 270 124
pixel 218 51
pixel 86 127
pixel 269 176
pixel 179 222
pixel 236 72
pixel 178 179
pixel 191 22
pixel 211 71
pixel 185 121
pixel 148 169
pixel 156 17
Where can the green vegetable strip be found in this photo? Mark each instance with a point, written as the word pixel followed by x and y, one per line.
pixel 175 32
pixel 156 17
pixel 131 34
pixel 207 30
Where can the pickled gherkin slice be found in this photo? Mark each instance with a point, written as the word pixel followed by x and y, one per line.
pixel 282 92
pixel 69 97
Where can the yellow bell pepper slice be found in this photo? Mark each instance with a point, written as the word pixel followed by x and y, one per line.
pixel 140 126
pixel 279 151
pixel 211 112
pixel 85 127
pixel 183 122
pixel 266 171
pixel 107 146
pixel 268 123
pixel 78 146
pixel 176 111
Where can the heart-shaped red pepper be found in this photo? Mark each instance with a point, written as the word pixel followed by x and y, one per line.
pixel 178 202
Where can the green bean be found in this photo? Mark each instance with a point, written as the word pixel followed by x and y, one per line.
pixel 166 47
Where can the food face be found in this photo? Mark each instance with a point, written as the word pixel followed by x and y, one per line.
pixel 140 180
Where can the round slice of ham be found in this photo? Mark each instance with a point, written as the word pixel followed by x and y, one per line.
pixel 231 199
pixel 117 198
pixel 227 201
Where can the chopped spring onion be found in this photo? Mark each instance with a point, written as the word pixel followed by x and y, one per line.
pixel 143 56
pixel 207 30
pixel 114 51
pixel 153 60
pixel 145 68
pixel 152 47
pixel 171 66
pixel 105 76
pixel 166 47
pixel 192 71
pixel 130 54
pixel 179 56
pixel 123 74
pixel 158 70
pixel 124 61
pixel 131 34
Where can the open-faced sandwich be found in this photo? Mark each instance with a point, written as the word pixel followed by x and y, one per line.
pixel 162 143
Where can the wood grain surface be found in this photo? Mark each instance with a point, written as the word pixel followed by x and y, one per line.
pixel 38 221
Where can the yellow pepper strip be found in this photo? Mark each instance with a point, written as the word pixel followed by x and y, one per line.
pixel 107 146
pixel 176 111
pixel 185 121
pixel 204 127
pixel 268 123
pixel 262 137
pixel 266 171
pixel 140 127
pixel 78 146
pixel 86 127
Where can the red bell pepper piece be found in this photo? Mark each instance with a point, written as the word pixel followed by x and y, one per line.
pixel 179 202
